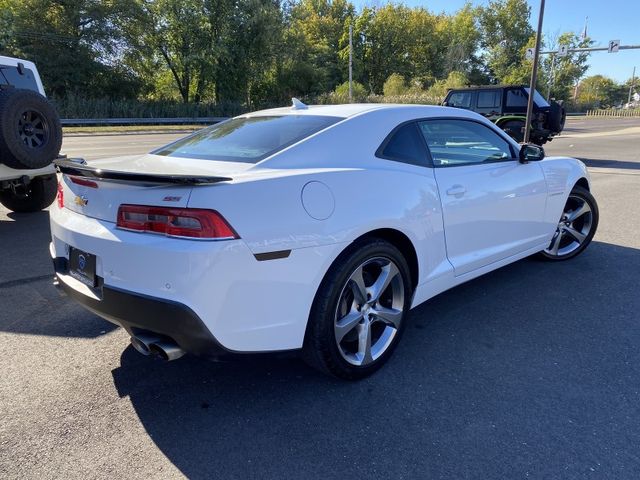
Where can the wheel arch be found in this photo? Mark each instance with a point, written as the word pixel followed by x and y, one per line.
pixel 403 243
pixel 584 183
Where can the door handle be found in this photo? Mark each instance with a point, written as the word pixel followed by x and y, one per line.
pixel 457 190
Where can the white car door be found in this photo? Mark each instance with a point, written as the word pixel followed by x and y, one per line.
pixel 493 205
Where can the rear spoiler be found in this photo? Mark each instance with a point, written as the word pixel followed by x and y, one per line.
pixel 79 167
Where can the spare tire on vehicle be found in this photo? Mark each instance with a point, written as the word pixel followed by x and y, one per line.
pixel 557 116
pixel 30 129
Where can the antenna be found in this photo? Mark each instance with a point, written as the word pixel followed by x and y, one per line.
pixel 297 104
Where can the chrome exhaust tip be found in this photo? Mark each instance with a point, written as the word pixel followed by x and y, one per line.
pixel 142 343
pixel 167 350
pixel 153 345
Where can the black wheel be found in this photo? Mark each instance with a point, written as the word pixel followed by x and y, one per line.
pixel 30 130
pixel 40 193
pixel 576 227
pixel 515 129
pixel 359 311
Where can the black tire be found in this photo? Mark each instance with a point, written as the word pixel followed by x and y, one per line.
pixel 557 117
pixel 577 195
pixel 41 192
pixel 321 349
pixel 30 129
pixel 514 128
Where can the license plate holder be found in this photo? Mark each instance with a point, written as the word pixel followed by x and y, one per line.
pixel 82 266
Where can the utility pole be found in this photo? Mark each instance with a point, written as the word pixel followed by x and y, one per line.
pixel 534 75
pixel 633 81
pixel 350 63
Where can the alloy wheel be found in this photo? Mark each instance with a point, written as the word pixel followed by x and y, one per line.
pixel 573 229
pixel 369 311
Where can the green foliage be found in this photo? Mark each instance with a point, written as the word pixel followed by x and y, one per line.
pixel 454 80
pixel 358 91
pixel 72 42
pixel 148 57
pixel 599 91
pixel 395 85
pixel 506 34
pixel 562 73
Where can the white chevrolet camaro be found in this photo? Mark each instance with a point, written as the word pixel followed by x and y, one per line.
pixel 308 228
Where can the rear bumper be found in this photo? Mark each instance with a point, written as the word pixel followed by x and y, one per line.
pixel 207 296
pixel 138 313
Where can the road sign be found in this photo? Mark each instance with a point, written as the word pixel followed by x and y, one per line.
pixel 636 97
pixel 563 51
pixel 614 46
pixel 530 53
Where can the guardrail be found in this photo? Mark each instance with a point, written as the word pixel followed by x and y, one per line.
pixel 612 112
pixel 91 122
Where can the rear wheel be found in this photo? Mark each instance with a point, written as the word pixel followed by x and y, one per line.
pixel 38 195
pixel 357 317
pixel 576 227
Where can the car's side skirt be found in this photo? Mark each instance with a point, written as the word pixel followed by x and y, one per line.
pixel 447 281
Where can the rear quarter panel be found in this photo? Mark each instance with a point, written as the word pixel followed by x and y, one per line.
pixel 269 215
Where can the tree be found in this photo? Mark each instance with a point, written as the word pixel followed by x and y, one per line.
pixel 74 43
pixel 563 73
pixel 212 48
pixel 601 92
pixel 506 34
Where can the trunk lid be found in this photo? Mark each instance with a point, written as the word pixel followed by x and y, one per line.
pixel 97 189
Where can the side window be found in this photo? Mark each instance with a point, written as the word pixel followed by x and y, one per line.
pixel 404 145
pixel 462 142
pixel 460 99
pixel 516 98
pixel 488 99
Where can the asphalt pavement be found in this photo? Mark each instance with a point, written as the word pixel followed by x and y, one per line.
pixel 532 371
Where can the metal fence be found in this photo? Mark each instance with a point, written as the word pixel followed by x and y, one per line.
pixel 613 112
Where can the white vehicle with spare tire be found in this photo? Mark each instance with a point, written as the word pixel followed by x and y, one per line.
pixel 30 138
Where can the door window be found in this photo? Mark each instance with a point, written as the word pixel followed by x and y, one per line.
pixel 460 99
pixel 463 142
pixel 488 99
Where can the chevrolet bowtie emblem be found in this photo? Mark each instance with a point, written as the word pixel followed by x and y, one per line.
pixel 81 200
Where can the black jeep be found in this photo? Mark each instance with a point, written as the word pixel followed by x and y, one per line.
pixel 506 106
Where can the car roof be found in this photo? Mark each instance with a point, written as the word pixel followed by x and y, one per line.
pixel 346 110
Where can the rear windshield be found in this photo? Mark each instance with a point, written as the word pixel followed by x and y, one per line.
pixel 539 99
pixel 247 139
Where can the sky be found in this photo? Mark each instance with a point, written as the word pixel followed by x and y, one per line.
pixel 608 20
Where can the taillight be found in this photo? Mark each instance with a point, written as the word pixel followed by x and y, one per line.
pixel 60 195
pixel 175 222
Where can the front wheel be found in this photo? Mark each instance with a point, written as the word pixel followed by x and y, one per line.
pixel 576 227
pixel 359 311
pixel 39 194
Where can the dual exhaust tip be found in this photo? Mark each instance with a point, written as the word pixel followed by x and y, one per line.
pixel 148 344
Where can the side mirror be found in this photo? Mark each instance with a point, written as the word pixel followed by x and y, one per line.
pixel 531 153
pixel 445 104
